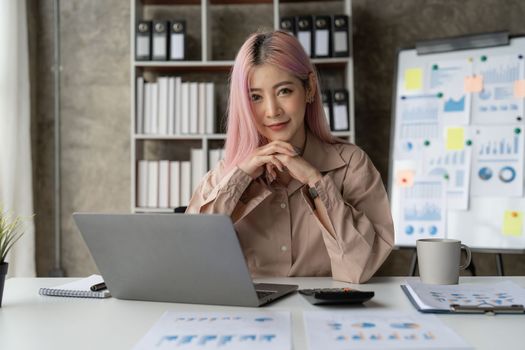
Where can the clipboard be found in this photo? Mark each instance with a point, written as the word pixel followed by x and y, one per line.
pixel 467 309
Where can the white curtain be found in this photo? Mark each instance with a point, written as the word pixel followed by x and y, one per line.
pixel 16 187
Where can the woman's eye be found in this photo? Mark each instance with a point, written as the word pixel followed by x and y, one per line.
pixel 285 91
pixel 255 98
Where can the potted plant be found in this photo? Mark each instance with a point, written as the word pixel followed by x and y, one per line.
pixel 10 232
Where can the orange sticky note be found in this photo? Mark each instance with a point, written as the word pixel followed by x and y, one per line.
pixel 474 83
pixel 519 88
pixel 455 139
pixel 512 223
pixel 405 178
pixel 414 79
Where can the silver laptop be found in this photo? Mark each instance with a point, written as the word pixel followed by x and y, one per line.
pixel 180 258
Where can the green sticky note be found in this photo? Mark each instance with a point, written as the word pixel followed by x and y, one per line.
pixel 512 223
pixel 455 139
pixel 414 79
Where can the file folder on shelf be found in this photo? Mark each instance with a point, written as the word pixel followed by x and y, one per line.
pixel 160 41
pixel 326 97
pixel 340 40
pixel 339 120
pixel 139 114
pixel 177 40
pixel 143 41
pixel 287 24
pixel 322 36
pixel 304 33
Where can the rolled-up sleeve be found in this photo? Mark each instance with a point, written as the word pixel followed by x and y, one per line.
pixel 360 217
pixel 219 195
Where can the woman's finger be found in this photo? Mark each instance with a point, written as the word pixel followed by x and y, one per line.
pixel 277 164
pixel 278 147
pixel 269 169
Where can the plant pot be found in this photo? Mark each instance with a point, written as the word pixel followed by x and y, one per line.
pixel 3 273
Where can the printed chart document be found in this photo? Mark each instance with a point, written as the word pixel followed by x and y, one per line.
pixel 496 103
pixel 220 330
pixel 454 167
pixel 374 329
pixel 423 210
pixel 446 78
pixel 497 165
pixel 431 298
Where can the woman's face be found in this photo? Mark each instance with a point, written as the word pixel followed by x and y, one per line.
pixel 278 100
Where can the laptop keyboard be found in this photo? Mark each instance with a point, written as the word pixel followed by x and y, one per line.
pixel 261 294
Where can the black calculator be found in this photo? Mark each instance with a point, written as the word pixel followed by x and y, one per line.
pixel 335 296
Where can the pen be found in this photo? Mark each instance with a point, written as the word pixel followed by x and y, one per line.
pixel 98 286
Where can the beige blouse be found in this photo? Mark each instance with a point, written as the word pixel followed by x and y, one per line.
pixel 278 230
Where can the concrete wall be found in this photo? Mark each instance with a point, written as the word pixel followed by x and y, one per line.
pixel 95 106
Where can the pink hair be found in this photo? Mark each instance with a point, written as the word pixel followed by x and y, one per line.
pixel 285 52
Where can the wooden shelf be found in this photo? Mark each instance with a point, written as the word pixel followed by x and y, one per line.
pixel 217 2
pixel 220 2
pixel 339 62
pixel 188 66
pixel 146 137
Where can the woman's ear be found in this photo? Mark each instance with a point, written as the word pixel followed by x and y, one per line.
pixel 311 88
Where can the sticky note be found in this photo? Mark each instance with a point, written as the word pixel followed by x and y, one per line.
pixel 474 83
pixel 455 139
pixel 414 79
pixel 519 88
pixel 512 223
pixel 405 178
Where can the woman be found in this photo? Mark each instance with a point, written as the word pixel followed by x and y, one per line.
pixel 303 202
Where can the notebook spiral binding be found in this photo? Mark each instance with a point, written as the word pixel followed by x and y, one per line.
pixel 72 293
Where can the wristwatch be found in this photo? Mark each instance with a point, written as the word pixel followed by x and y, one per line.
pixel 313 192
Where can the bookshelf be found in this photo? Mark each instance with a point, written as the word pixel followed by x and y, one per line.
pixel 215 29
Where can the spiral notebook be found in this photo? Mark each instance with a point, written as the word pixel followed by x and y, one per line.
pixel 77 289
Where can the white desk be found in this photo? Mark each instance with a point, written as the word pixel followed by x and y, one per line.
pixel 31 321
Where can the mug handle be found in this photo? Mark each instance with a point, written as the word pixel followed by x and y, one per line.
pixel 469 256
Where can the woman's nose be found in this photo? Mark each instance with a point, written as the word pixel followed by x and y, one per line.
pixel 272 108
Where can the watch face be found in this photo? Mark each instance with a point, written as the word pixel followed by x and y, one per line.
pixel 313 192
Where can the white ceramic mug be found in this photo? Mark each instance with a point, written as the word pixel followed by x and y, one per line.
pixel 439 260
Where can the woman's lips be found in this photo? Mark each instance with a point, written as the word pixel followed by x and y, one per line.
pixel 278 126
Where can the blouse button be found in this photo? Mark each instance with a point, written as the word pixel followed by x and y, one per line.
pixel 284 248
pixel 283 205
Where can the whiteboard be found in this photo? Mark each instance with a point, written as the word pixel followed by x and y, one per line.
pixel 457 147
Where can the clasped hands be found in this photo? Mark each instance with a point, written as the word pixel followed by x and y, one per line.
pixel 282 156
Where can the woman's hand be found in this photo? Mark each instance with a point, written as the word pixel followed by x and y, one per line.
pixel 300 169
pixel 255 164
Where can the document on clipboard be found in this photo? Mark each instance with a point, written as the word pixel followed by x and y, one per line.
pixel 495 298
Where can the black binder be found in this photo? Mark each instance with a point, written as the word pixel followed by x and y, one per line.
pixel 143 41
pixel 340 120
pixel 322 41
pixel 326 97
pixel 160 41
pixel 304 33
pixel 340 39
pixel 177 40
pixel 287 24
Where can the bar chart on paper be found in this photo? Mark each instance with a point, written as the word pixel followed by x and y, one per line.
pixel 225 330
pixel 341 330
pixel 423 210
pixel 496 103
pixel 454 168
pixel 498 161
pixel 418 123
